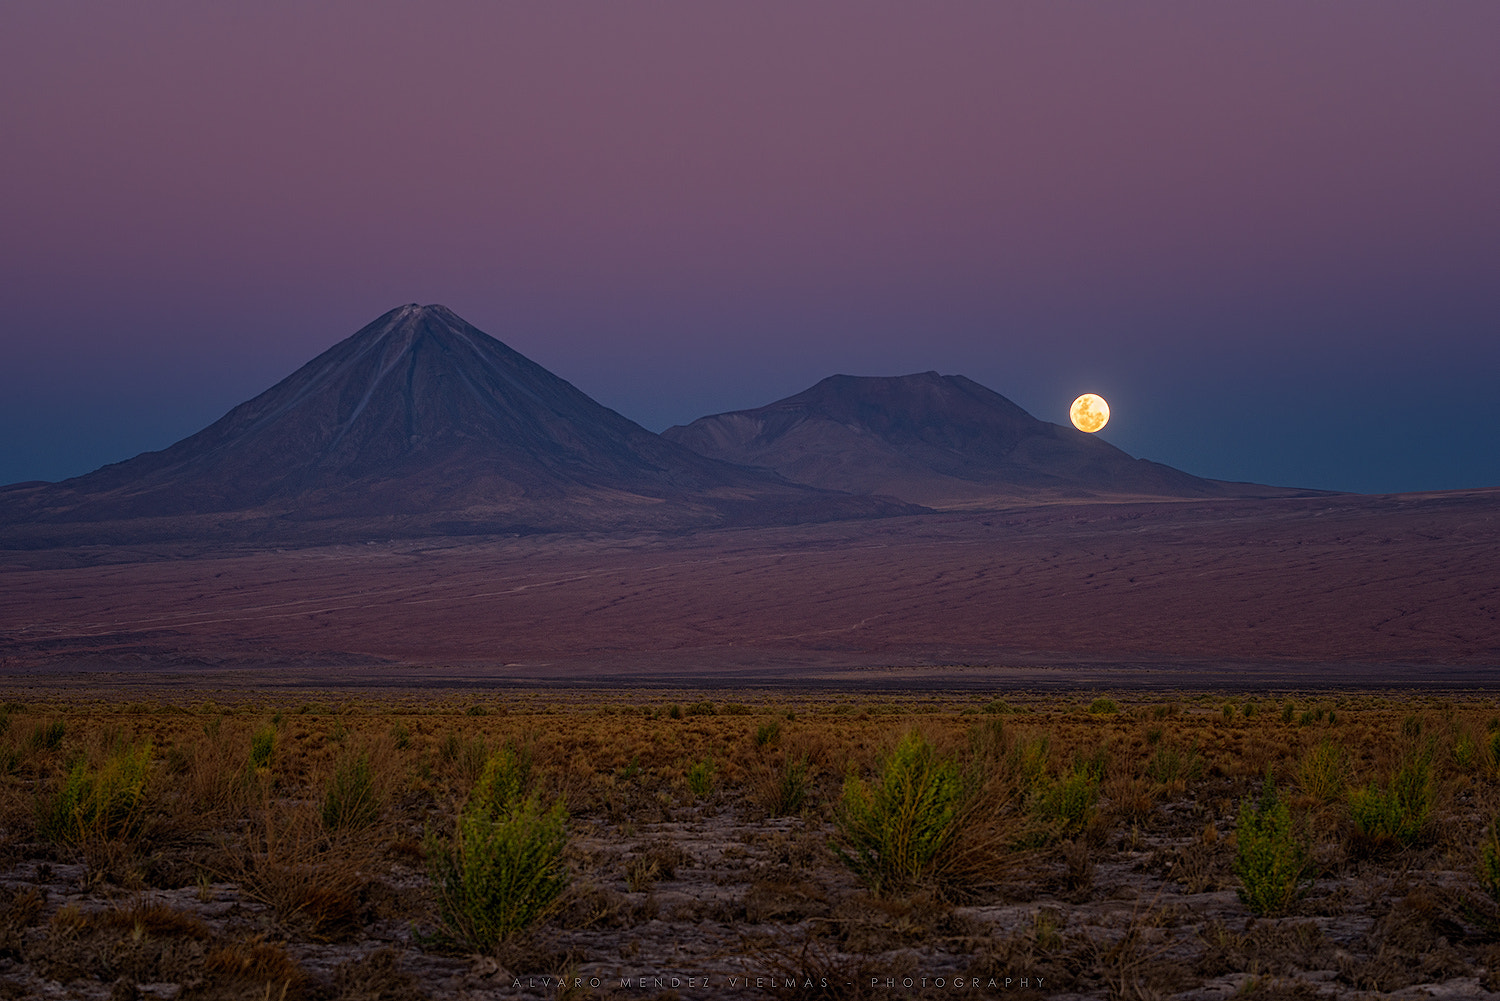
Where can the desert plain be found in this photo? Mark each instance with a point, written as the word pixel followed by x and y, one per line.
pixel 1306 591
pixel 238 772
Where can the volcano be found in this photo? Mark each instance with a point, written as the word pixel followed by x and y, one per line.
pixel 938 440
pixel 417 424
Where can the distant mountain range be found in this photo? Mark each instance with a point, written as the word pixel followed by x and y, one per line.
pixel 936 440
pixel 422 424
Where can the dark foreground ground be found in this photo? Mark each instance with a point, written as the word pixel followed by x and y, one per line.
pixel 290 846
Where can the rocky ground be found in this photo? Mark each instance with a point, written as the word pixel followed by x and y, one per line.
pixel 687 887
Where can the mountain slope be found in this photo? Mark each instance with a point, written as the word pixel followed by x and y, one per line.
pixel 421 422
pixel 937 440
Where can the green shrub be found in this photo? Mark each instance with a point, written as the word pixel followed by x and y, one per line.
pixel 674 711
pixel 262 748
pixel 467 756
pixel 700 777
pixel 1248 709
pixel 896 832
pixel 1104 707
pixel 1069 801
pixel 998 707
pixel 49 736
pixel 1288 712
pixel 1027 761
pixel 350 800
pixel 1170 764
pixel 704 708
pixel 1465 751
pixel 503 870
pixel 1095 764
pixel 787 791
pixel 1270 854
pixel 1321 770
pixel 400 736
pixel 1396 815
pixel 1489 861
pixel 504 777
pixel 98 802
pixel 767 733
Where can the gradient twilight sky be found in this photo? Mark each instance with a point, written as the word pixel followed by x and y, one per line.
pixel 1268 233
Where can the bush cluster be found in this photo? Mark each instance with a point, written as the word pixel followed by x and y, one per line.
pixel 503 869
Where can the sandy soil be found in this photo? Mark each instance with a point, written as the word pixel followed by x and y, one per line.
pixel 1391 589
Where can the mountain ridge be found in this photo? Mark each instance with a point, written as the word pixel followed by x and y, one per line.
pixel 421 419
pixel 938 440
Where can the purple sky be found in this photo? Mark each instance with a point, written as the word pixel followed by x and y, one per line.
pixel 1268 233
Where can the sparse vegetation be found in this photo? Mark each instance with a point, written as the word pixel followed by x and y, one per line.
pixel 1394 815
pixel 98 801
pixel 700 777
pixel 350 800
pixel 834 831
pixel 503 869
pixel 1322 770
pixel 1270 854
pixel 1068 802
pixel 895 831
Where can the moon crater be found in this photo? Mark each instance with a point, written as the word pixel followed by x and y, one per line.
pixel 1089 413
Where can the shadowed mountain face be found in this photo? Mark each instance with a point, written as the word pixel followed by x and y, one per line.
pixel 938 440
pixel 424 423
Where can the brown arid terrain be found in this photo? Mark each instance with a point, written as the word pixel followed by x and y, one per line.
pixel 1328 590
pixel 695 845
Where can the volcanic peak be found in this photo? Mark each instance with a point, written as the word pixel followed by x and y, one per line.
pixel 939 440
pixel 420 415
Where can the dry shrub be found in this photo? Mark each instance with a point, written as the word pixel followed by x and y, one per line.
pixel 350 799
pixel 259 962
pixel 588 905
pixel 1322 770
pixel 21 909
pixel 309 876
pixel 1128 798
pixel 656 861
pixel 212 781
pixel 1040 951
pixel 1136 965
pixel 1266 947
pixel 1413 944
pixel 781 786
pixel 140 943
pixel 812 970
pixel 784 898
pixel 376 977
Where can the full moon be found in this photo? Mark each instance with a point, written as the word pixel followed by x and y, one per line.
pixel 1089 413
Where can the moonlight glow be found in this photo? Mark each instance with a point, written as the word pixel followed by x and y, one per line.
pixel 1089 413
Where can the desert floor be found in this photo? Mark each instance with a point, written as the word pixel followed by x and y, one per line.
pixel 1330 590
pixel 1092 845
